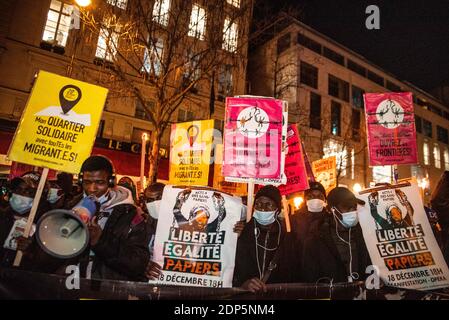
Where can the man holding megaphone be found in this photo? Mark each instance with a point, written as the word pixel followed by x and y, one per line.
pixel 104 226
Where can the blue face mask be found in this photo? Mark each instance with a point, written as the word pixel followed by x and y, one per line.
pixel 348 219
pixel 53 196
pixel 20 204
pixel 265 217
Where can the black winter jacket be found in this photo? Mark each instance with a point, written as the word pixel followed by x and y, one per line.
pixel 320 256
pixel 246 264
pixel 122 250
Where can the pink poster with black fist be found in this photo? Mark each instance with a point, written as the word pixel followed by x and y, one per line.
pixel 391 133
pixel 252 138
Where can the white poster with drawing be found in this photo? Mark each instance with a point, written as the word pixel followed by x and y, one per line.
pixel 195 244
pixel 400 240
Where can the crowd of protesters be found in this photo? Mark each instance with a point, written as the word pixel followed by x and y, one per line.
pixel 325 243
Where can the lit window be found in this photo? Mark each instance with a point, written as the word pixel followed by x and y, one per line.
pixel 118 3
pixel 197 25
pixel 160 11
pixel 436 155
pixel 58 23
pixel 335 118
pixel 446 159
pixel 333 148
pixel 152 57
pixel 235 3
pixel 426 153
pixel 230 35
pixel 107 43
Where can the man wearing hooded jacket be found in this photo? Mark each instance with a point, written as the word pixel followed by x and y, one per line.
pixel 263 249
pixel 23 190
pixel 118 237
pixel 334 249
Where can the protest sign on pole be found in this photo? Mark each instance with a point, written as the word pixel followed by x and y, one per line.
pixel 57 129
pixel 400 239
pixel 273 181
pixel 30 219
pixel 295 169
pixel 253 138
pixel 195 243
pixel 235 188
pixel 58 126
pixel 190 156
pixel 325 171
pixel 310 175
pixel 390 124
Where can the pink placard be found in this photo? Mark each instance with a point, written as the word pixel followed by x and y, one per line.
pixel 295 168
pixel 252 138
pixel 391 132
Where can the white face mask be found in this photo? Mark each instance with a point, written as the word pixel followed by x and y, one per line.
pixel 20 204
pixel 315 205
pixel 53 195
pixel 348 219
pixel 153 208
pixel 265 217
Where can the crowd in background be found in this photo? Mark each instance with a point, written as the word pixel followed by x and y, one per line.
pixel 325 243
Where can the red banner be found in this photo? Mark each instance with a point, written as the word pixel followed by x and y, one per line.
pixel 295 168
pixel 391 133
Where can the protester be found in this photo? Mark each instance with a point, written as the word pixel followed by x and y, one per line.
pixel 129 184
pixel 56 196
pixel 314 209
pixel 308 217
pixel 118 237
pixel 334 248
pixel 152 198
pixel 263 249
pixel 23 190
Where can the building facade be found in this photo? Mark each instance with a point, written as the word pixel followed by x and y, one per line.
pixel 324 83
pixel 44 35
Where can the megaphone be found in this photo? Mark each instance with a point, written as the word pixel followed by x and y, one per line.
pixel 63 233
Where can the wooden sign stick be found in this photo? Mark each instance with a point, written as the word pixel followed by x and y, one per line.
pixel 286 213
pixel 249 212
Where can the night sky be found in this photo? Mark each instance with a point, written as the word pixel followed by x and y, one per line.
pixel 412 43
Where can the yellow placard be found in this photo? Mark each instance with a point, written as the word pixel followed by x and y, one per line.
pixel 325 172
pixel 58 126
pixel 237 189
pixel 190 156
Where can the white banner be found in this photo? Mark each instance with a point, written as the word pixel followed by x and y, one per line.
pixel 400 240
pixel 195 244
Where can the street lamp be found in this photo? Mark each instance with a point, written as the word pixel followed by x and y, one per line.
pixel 357 187
pixel 142 161
pixel 83 3
pixel 298 202
pixel 423 184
